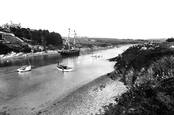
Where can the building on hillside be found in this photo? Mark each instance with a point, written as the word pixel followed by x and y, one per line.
pixel 11 25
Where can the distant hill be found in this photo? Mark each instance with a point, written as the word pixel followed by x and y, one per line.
pixel 158 40
pixel 103 41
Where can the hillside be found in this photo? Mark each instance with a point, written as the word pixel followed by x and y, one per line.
pixel 10 38
pixel 28 40
pixel 158 40
pixel 9 42
pixel 38 37
pixel 147 71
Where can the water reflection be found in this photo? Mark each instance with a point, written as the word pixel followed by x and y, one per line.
pixel 24 74
pixel 36 61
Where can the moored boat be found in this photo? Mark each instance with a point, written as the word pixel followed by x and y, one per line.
pixel 64 68
pixel 70 52
pixel 24 68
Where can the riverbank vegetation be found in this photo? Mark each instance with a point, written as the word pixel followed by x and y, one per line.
pixel 26 40
pixel 43 37
pixel 147 70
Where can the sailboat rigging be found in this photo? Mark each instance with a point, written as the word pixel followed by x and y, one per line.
pixel 70 49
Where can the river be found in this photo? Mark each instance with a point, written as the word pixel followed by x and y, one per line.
pixel 21 93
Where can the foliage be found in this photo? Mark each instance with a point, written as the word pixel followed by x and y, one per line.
pixel 149 70
pixel 25 49
pixel 145 100
pixel 42 37
pixel 7 48
pixel 138 55
pixel 4 49
pixel 170 40
pixel 137 59
pixel 162 68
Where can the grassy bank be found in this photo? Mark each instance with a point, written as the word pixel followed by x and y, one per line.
pixel 148 71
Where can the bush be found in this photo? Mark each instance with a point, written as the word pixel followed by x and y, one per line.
pixel 145 100
pixel 149 69
pixel 170 40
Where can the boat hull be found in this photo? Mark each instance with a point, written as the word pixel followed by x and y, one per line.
pixel 64 70
pixel 24 68
pixel 69 52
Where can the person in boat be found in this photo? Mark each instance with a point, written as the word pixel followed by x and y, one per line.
pixel 61 66
pixel 64 67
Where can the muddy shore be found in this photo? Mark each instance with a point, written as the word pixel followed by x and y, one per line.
pixel 88 99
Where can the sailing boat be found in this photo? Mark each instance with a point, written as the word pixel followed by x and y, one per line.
pixel 25 68
pixel 68 49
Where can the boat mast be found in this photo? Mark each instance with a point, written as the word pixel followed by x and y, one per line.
pixel 29 62
pixel 74 38
pixel 68 38
pixel 68 41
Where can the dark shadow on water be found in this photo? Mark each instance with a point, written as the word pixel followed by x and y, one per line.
pixel 36 61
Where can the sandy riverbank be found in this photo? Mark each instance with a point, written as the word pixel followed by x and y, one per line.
pixel 88 99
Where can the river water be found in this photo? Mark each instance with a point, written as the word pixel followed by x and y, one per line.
pixel 21 93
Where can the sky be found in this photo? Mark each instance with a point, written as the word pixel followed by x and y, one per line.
pixel 133 19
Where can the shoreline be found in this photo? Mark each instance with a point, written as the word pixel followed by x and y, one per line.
pixel 86 99
pixel 22 55
pixel 19 55
pixel 15 56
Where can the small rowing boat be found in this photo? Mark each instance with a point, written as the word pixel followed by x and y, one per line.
pixel 64 68
pixel 24 68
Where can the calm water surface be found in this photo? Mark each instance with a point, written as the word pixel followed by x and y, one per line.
pixel 34 90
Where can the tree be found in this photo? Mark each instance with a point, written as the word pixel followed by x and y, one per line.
pixel 42 37
pixel 170 40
